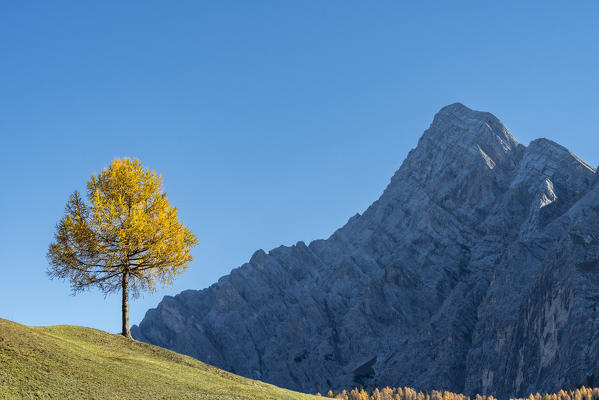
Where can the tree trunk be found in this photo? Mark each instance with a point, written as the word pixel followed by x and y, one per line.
pixel 126 332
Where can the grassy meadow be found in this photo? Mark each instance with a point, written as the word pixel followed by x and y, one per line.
pixel 69 362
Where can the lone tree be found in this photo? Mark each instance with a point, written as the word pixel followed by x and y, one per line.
pixel 126 237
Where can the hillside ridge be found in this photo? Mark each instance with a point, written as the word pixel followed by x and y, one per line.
pixel 69 362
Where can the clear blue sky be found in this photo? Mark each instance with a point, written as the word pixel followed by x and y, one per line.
pixel 270 121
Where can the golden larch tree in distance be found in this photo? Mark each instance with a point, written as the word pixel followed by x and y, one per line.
pixel 126 237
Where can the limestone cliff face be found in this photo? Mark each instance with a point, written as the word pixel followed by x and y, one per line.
pixel 477 270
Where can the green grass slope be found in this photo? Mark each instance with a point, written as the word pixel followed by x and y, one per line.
pixel 69 362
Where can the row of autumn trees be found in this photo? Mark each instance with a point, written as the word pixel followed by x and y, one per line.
pixel 406 393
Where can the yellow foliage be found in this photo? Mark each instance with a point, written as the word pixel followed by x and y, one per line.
pixel 127 229
pixel 407 393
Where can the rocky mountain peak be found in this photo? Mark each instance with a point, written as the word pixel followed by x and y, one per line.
pixel 554 173
pixel 459 142
pixel 457 123
pixel 476 271
pixel 550 152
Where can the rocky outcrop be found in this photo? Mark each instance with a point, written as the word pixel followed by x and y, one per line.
pixel 477 270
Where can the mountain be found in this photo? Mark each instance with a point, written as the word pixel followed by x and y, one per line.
pixel 71 362
pixel 477 270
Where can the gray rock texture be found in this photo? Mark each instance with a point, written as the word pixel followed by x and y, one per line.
pixel 477 270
